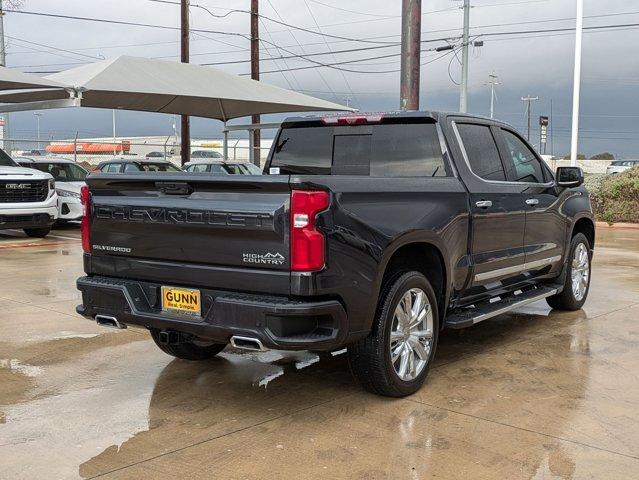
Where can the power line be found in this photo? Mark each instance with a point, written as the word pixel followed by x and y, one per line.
pixel 28 42
pixel 296 27
pixel 319 73
pixel 348 85
pixel 366 39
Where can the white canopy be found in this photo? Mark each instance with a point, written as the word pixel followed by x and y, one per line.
pixel 133 83
pixel 14 80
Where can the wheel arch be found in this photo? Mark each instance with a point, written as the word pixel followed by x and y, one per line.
pixel 586 226
pixel 423 255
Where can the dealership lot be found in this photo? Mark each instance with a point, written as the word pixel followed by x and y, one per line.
pixel 532 394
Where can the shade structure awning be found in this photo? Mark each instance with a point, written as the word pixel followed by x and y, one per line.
pixel 11 79
pixel 143 84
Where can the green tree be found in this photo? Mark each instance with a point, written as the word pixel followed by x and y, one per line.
pixel 603 156
pixel 580 156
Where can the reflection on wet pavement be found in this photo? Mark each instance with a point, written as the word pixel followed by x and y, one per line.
pixel 533 394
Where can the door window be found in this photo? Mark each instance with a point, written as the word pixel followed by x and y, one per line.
pixel 481 150
pixel 113 168
pixel 131 167
pixel 522 163
pixel 197 168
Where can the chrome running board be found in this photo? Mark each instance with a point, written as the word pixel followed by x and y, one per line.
pixel 471 316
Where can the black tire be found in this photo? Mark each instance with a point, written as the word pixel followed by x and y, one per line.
pixel 370 357
pixel 566 300
pixel 37 232
pixel 188 350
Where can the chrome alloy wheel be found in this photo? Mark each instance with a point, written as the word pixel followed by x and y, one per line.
pixel 580 271
pixel 411 336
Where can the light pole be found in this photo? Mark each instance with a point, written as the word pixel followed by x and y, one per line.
pixel 574 145
pixel 38 115
pixel 528 101
pixel 492 82
pixel 463 95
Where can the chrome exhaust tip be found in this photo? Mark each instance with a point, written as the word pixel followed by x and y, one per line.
pixel 248 343
pixel 109 322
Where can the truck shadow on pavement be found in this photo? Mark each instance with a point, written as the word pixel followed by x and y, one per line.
pixel 198 402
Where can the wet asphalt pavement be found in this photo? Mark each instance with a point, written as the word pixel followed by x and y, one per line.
pixel 533 394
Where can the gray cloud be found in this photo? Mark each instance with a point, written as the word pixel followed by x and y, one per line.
pixel 540 65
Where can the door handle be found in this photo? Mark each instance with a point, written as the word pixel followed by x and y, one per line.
pixel 532 201
pixel 484 204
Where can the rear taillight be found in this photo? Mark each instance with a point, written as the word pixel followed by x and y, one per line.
pixel 85 198
pixel 307 243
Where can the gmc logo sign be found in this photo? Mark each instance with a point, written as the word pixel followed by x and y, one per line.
pixel 17 186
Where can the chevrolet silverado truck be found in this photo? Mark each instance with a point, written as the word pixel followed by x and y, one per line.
pixel 369 232
pixel 28 199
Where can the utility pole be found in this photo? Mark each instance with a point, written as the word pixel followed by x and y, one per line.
pixel 492 82
pixel 411 49
pixel 185 147
pixel 574 140
pixel 255 75
pixel 528 101
pixel 6 144
pixel 463 95
pixel 38 115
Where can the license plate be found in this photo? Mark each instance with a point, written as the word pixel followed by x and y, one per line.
pixel 181 300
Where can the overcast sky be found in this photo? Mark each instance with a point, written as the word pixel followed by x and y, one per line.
pixel 540 64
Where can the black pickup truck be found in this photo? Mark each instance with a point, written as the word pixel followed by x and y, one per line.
pixel 369 232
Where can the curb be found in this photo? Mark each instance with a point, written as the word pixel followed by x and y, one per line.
pixel 628 226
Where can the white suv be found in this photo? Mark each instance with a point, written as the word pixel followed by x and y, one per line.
pixel 28 200
pixel 69 178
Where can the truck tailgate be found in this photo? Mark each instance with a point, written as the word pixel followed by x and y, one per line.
pixel 236 221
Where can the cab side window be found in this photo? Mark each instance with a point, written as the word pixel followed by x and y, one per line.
pixel 112 168
pixel 522 165
pixel 482 152
pixel 197 168
pixel 131 167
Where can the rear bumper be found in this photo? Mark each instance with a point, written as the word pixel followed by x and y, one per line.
pixel 278 322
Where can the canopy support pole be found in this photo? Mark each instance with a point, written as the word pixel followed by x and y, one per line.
pixel 226 142
pixel 251 145
pixel 225 131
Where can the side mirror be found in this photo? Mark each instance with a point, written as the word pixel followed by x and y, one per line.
pixel 569 176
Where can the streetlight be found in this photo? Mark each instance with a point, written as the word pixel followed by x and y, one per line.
pixel 574 136
pixel 492 82
pixel 38 115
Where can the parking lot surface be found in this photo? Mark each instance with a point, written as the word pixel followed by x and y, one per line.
pixel 531 394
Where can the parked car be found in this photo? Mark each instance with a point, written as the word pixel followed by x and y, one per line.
pixel 369 232
pixel 28 200
pixel 220 167
pixel 69 178
pixel 155 155
pixel 36 153
pixel 124 165
pixel 619 166
pixel 206 154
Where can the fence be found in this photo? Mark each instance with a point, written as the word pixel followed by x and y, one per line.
pixel 168 148
pixel 94 150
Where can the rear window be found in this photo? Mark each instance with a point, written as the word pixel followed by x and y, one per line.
pixel 158 167
pixel 387 150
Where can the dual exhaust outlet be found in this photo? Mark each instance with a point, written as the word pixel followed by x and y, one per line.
pixel 109 322
pixel 169 337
